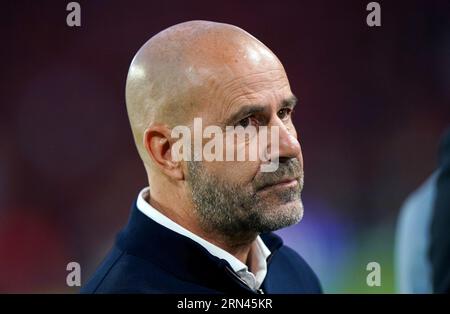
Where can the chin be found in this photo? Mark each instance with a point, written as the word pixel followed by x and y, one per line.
pixel 293 208
pixel 285 215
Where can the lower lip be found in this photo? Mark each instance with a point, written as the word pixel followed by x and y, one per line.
pixel 282 185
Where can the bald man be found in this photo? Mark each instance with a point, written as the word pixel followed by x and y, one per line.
pixel 204 225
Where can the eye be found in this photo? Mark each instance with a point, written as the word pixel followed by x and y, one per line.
pixel 284 113
pixel 246 122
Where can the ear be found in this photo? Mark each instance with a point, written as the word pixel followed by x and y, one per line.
pixel 158 144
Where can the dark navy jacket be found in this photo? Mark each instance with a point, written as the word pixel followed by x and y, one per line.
pixel 150 258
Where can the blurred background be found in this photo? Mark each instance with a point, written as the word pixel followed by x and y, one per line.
pixel 374 102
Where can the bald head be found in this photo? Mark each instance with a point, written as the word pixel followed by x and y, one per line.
pixel 226 77
pixel 181 71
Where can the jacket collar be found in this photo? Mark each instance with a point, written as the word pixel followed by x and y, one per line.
pixel 179 255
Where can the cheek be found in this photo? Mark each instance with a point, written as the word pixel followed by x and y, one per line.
pixel 234 172
pixel 301 157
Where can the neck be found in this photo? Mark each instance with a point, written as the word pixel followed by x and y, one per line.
pixel 239 245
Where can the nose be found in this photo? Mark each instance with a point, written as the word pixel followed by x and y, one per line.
pixel 288 144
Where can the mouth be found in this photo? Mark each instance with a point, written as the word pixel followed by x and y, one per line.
pixel 283 184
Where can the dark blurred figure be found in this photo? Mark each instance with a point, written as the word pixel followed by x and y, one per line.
pixel 412 264
pixel 423 240
pixel 440 234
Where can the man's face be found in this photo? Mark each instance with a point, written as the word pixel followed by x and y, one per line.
pixel 235 197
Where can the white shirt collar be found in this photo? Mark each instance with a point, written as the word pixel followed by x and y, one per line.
pixel 258 252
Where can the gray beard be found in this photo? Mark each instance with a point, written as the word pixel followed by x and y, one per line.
pixel 235 211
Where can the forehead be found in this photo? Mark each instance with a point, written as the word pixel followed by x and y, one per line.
pixel 265 87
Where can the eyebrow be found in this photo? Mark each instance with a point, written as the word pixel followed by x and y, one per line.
pixel 290 102
pixel 247 110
